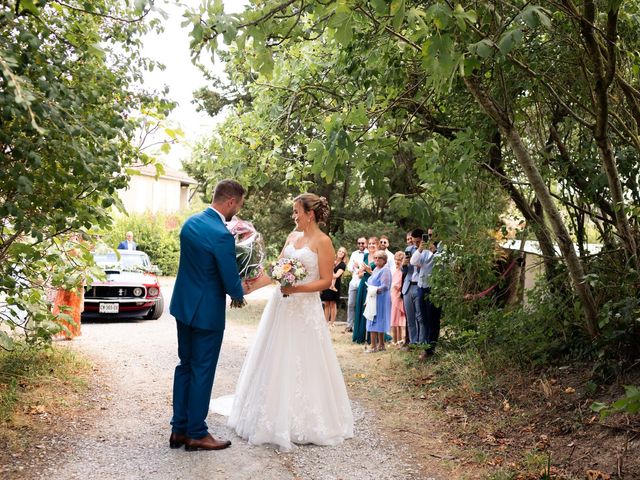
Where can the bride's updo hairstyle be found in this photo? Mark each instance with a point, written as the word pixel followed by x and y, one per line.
pixel 318 205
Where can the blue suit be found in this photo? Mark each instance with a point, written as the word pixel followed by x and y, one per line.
pixel 124 246
pixel 206 274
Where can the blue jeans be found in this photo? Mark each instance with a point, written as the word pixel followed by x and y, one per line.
pixel 414 315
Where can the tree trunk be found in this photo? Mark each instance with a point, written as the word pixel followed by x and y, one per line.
pixel 533 219
pixel 603 55
pixel 574 265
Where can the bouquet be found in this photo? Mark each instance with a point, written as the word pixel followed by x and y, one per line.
pixel 249 249
pixel 287 271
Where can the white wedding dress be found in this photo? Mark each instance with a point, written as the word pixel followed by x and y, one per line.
pixel 291 389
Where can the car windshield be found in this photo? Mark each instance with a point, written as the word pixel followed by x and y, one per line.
pixel 139 260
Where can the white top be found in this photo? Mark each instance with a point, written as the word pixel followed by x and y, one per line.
pixel 355 261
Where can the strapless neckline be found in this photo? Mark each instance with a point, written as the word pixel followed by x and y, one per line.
pixel 302 248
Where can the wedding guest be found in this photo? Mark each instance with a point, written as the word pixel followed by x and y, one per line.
pixel 432 313
pixel 384 245
pixel 405 269
pixel 378 323
pixel 331 295
pixel 367 266
pixel 398 318
pixel 128 243
pixel 410 292
pixel 355 261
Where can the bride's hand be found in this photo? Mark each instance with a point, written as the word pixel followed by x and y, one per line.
pixel 287 290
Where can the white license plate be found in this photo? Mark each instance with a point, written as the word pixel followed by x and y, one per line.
pixel 109 308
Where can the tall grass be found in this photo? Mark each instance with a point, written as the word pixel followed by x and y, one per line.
pixel 27 374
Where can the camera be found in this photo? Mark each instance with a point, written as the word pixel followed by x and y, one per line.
pixel 407 253
pixel 426 237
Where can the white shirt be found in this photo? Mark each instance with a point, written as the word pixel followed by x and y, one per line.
pixel 224 220
pixel 356 257
pixel 129 245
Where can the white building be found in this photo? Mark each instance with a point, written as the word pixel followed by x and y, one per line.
pixel 170 192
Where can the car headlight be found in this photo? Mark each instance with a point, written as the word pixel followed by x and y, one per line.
pixel 153 292
pixel 137 292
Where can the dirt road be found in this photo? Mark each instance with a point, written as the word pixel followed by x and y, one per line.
pixel 125 434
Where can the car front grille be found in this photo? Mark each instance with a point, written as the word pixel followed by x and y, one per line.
pixel 106 291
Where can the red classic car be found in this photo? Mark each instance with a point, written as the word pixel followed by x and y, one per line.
pixel 131 288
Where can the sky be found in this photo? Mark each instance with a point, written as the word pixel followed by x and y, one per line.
pixel 171 48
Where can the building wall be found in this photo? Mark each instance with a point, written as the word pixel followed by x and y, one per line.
pixel 148 194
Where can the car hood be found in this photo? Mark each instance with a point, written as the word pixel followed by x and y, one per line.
pixel 128 278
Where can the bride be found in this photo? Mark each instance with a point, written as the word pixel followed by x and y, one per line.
pixel 291 388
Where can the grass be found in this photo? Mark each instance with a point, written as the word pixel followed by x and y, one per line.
pixel 248 315
pixel 36 386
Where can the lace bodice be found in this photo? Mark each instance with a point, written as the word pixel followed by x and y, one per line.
pixel 309 259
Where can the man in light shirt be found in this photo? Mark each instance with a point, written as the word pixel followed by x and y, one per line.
pixel 356 259
pixel 128 244
pixel 410 294
pixel 425 257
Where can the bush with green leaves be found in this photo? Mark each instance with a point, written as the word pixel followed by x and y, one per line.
pixel 69 103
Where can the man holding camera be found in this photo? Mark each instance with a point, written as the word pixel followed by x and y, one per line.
pixel 424 257
pixel 410 294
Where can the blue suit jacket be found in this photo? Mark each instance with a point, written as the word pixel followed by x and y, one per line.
pixel 410 269
pixel 123 245
pixel 206 274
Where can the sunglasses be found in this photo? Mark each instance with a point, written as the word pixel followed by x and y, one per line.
pixel 361 243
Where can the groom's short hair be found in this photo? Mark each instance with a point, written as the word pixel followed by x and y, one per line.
pixel 226 189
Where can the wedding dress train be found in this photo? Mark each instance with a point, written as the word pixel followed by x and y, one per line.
pixel 291 388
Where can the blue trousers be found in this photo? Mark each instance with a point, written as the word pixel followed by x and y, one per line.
pixel 198 351
pixel 413 312
pixel 431 316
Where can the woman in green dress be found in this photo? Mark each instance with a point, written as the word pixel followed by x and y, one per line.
pixel 359 322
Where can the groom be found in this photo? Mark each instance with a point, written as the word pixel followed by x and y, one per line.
pixel 206 274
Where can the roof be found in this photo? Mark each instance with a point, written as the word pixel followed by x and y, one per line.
pixel 532 246
pixel 169 174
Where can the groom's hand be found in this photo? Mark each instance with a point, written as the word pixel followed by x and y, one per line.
pixel 238 302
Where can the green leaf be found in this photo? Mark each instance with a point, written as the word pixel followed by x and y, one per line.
pixel 95 50
pixel 440 15
pixel 484 48
pixel 344 34
pixel 29 5
pixel 398 12
pixel 380 6
pixel 534 15
pixel 510 39
pixel 6 342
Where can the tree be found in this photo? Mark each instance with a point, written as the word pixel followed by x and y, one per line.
pixel 70 108
pixel 526 94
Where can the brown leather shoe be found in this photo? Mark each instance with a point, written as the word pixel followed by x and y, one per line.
pixel 205 443
pixel 176 440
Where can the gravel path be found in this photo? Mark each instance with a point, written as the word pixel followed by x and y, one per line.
pixel 129 439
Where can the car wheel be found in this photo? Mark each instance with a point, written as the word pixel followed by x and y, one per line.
pixel 156 311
